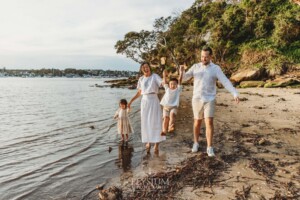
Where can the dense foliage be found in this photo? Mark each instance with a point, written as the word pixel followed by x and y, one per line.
pixel 247 33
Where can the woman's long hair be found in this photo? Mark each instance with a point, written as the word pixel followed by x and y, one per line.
pixel 141 67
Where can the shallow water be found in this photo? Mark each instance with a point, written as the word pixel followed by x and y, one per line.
pixel 47 148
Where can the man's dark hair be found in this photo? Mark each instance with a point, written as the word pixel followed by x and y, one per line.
pixel 123 101
pixel 174 79
pixel 207 48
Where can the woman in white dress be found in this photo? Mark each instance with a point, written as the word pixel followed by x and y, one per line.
pixel 151 114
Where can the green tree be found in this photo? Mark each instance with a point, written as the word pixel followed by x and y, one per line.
pixel 287 27
pixel 234 29
pixel 137 45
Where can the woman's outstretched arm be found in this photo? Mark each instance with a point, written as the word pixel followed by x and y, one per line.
pixel 137 95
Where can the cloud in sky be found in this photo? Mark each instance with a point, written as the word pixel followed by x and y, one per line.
pixel 74 33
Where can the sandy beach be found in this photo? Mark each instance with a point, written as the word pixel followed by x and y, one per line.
pixel 257 152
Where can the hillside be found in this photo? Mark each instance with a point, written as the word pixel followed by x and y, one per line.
pixel 259 35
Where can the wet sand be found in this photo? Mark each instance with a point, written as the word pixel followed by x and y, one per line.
pixel 256 144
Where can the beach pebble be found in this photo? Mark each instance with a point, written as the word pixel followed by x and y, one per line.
pixel 110 193
pixel 262 141
pixel 92 127
pixel 257 107
pixel 281 99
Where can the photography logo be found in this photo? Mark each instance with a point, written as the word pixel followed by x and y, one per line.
pixel 150 184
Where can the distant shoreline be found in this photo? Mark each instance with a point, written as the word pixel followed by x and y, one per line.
pixel 69 73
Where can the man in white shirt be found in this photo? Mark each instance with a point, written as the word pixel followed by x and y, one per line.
pixel 205 76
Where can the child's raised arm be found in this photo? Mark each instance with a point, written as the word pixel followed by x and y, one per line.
pixel 165 74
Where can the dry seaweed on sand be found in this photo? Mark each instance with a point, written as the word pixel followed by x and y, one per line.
pixel 286 163
pixel 272 95
pixel 243 99
pixel 255 139
pixel 197 171
pixel 222 104
pixel 292 189
pixel 262 167
pixel 113 192
pixel 290 193
pixel 244 194
pixel 288 131
pixel 255 94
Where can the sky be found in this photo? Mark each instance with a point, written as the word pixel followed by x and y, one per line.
pixel 80 34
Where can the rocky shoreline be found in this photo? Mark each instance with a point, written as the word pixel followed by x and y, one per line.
pixel 247 78
pixel 254 78
pixel 129 83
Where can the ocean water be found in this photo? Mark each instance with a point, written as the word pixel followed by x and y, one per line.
pixel 48 147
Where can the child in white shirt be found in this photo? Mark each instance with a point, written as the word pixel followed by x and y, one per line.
pixel 170 102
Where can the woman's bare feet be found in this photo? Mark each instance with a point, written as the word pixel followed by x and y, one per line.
pixel 156 149
pixel 148 147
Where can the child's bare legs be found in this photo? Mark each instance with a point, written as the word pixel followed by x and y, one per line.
pixel 126 137
pixel 172 122
pixel 165 125
pixel 122 137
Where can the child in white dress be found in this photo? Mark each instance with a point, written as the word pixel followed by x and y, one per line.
pixel 124 126
pixel 170 102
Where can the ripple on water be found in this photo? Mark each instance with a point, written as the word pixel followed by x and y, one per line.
pixel 47 146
